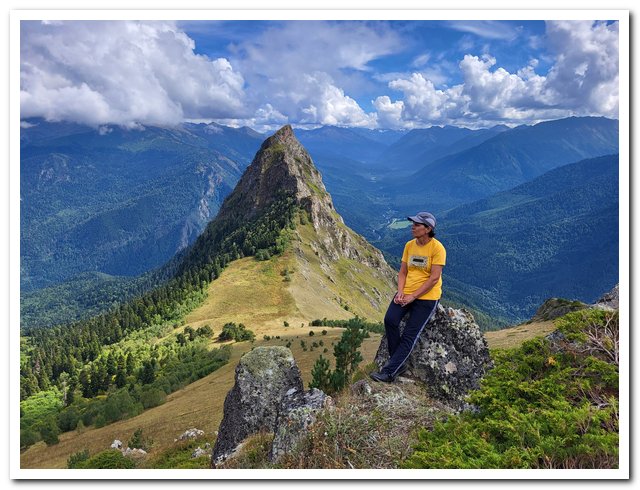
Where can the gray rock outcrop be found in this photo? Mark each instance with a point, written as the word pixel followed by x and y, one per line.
pixel 264 376
pixel 298 411
pixel 190 434
pixel 610 300
pixel 556 307
pixel 451 356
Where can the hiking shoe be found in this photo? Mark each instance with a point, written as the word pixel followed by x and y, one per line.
pixel 381 376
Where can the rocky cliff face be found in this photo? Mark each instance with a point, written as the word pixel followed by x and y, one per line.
pixel 283 166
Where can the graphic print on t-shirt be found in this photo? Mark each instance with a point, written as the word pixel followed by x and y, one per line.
pixel 419 261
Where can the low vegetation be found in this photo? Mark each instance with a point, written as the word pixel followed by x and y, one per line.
pixel 544 405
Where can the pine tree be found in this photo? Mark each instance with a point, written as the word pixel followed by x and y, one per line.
pixel 321 375
pixel 130 364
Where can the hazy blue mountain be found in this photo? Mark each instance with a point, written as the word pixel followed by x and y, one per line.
pixel 358 145
pixel 345 158
pixel 419 147
pixel 120 201
pixel 385 136
pixel 506 160
pixel 555 236
pixel 473 139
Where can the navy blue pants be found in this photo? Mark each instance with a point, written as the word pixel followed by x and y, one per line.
pixel 420 313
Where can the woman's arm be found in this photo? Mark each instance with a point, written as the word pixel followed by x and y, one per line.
pixel 402 279
pixel 436 272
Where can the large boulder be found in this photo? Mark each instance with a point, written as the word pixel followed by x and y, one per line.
pixel 263 378
pixel 451 356
pixel 298 411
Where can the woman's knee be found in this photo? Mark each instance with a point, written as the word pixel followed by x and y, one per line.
pixel 393 316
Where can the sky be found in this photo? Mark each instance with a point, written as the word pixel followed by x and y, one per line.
pixel 376 74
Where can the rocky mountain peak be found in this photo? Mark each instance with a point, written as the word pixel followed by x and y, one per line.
pixel 283 166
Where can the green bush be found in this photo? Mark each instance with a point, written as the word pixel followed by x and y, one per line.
pixel 239 333
pixel 347 358
pixel 50 431
pixel 68 419
pixel 543 405
pixel 28 437
pixel 321 375
pixel 152 397
pixel 77 460
pixel 109 459
pixel 120 405
pixel 139 441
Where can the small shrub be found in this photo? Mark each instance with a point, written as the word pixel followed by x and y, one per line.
pixel 138 441
pixel 28 437
pixel 109 459
pixel 543 405
pixel 49 432
pixel 77 460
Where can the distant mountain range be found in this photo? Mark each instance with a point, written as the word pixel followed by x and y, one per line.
pixel 123 202
pixel 120 202
pixel 504 161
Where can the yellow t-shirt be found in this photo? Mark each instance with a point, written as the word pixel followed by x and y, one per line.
pixel 419 260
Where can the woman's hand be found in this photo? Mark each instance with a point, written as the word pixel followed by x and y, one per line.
pixel 406 299
pixel 399 298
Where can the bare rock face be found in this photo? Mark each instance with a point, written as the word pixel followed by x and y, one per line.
pixel 283 164
pixel 297 413
pixel 451 356
pixel 263 377
pixel 611 299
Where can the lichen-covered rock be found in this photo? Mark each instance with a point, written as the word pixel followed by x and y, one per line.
pixel 190 434
pixel 297 413
pixel 199 452
pixel 263 377
pixel 134 453
pixel 116 444
pixel 450 357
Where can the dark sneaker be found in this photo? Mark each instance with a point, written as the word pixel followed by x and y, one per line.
pixel 384 377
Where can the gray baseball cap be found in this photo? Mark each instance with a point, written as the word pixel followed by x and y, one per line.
pixel 424 218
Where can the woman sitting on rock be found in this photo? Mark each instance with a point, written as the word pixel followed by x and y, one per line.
pixel 419 290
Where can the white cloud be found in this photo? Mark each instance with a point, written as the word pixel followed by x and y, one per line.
pixel 325 103
pixel 310 73
pixel 585 75
pixel 421 60
pixel 304 69
pixel 421 99
pixel 490 29
pixel 389 113
pixel 127 73
pixel 582 81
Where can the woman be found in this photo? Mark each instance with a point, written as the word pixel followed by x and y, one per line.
pixel 419 290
